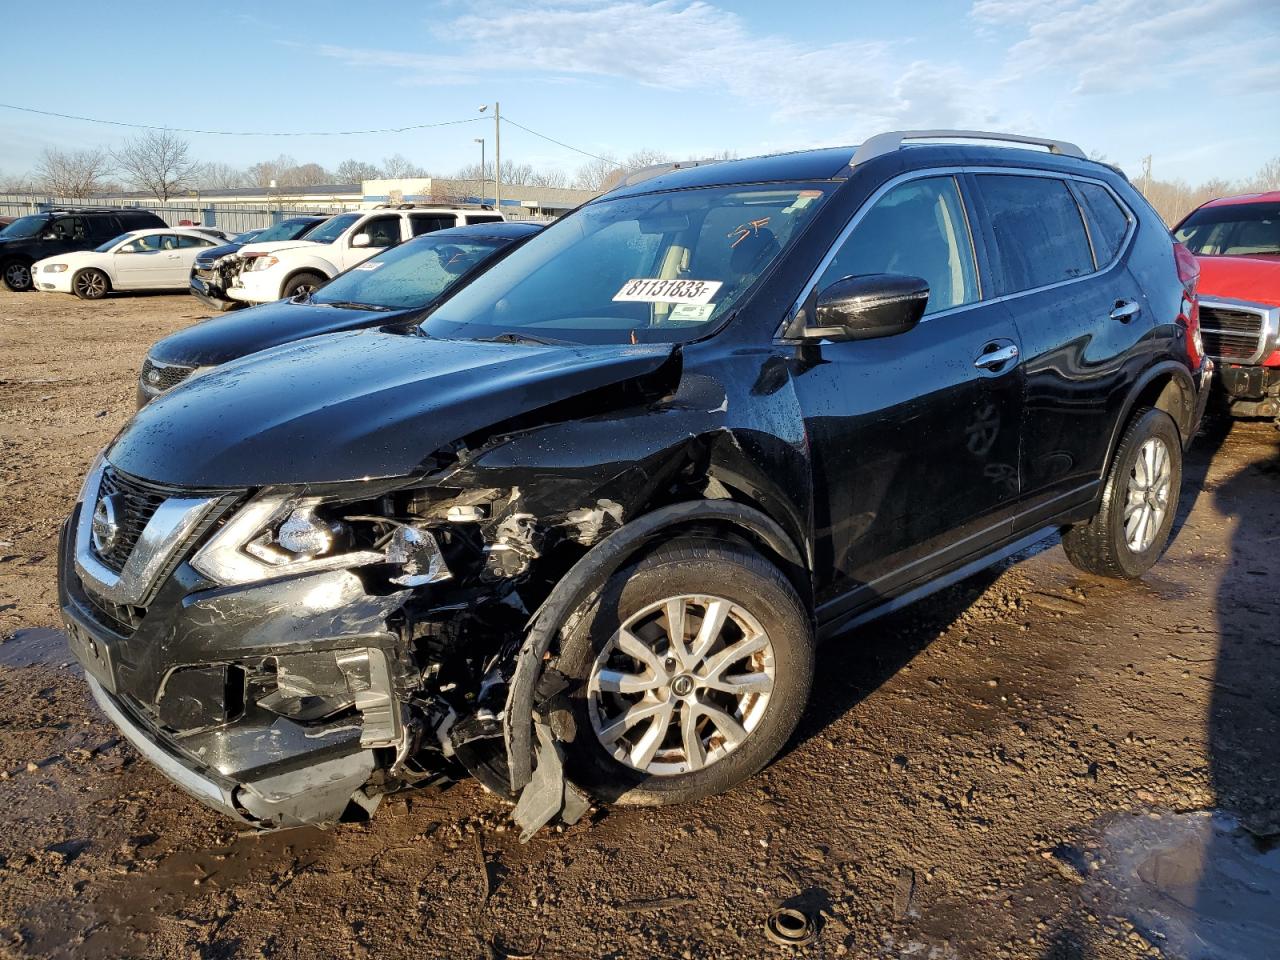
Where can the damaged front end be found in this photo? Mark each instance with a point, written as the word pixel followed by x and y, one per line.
pixel 211 279
pixel 290 655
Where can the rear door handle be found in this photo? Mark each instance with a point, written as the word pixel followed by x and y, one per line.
pixel 996 354
pixel 1126 310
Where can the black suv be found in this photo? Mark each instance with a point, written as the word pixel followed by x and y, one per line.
pixel 579 530
pixel 41 235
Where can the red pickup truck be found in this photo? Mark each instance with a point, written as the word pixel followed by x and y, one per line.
pixel 1237 241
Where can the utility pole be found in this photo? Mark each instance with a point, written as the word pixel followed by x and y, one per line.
pixel 484 177
pixel 497 151
pixel 1146 175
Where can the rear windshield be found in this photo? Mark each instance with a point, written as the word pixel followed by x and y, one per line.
pixel 24 227
pixel 1233 230
pixel 409 275
pixel 656 268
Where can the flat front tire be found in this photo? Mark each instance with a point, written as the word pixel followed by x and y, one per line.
pixel 1139 500
pixel 690 669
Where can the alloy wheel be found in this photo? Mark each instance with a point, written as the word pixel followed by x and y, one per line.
pixel 681 684
pixel 90 285
pixel 17 276
pixel 1147 495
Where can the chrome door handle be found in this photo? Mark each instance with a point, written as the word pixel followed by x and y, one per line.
pixel 997 357
pixel 1126 310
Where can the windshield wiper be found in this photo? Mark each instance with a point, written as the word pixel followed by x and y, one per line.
pixel 352 305
pixel 512 337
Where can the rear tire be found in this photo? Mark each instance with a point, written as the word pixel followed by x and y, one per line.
pixel 90 285
pixel 302 283
pixel 1131 529
pixel 704 739
pixel 17 276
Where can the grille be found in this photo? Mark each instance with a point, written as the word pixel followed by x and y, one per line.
pixel 120 618
pixel 135 503
pixel 1231 334
pixel 162 376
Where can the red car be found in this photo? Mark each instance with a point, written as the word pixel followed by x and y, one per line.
pixel 1237 241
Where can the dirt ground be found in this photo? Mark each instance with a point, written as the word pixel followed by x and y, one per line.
pixel 1035 763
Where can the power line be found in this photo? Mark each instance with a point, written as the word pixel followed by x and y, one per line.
pixel 561 143
pixel 246 133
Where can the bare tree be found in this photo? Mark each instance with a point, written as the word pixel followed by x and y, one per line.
pixel 264 171
pixel 72 173
pixel 158 161
pixel 17 183
pixel 222 176
pixel 399 167
pixel 551 177
pixel 1267 178
pixel 356 171
pixel 597 174
pixel 306 175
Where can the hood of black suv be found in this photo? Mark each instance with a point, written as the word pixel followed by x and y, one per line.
pixel 220 339
pixel 348 406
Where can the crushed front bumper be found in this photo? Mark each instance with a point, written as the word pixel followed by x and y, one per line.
pixel 209 293
pixel 163 681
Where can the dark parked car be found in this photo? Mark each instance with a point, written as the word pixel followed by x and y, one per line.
pixel 41 235
pixel 394 287
pixel 208 283
pixel 579 531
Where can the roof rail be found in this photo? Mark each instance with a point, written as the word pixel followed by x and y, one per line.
pixel 883 143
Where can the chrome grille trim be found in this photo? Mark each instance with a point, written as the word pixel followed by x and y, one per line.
pixel 169 525
pixel 157 377
pixel 1236 331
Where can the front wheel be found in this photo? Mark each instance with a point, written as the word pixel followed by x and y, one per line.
pixel 17 276
pixel 692 667
pixel 1132 526
pixel 302 283
pixel 90 285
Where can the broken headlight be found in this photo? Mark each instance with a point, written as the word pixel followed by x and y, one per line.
pixel 277 534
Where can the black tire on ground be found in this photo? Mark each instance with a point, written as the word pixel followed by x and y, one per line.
pixel 697 568
pixel 1099 545
pixel 302 283
pixel 17 276
pixel 90 284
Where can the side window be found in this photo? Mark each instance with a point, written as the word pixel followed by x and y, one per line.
pixel 68 228
pixel 917 229
pixel 149 243
pixel 429 223
pixel 1038 229
pixel 186 241
pixel 1108 222
pixel 104 227
pixel 168 241
pixel 382 231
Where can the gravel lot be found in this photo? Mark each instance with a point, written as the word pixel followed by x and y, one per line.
pixel 1035 763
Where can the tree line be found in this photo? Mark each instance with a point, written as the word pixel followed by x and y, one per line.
pixel 161 163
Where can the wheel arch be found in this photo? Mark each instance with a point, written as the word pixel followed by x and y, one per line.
pixel 111 281
pixel 741 521
pixel 1166 386
pixel 319 268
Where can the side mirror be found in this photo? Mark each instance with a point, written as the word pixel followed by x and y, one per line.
pixel 360 240
pixel 869 306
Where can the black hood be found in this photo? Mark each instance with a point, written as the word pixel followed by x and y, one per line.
pixel 226 338
pixel 364 404
pixel 213 253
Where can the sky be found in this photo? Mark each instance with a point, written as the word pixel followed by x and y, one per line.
pixel 1195 85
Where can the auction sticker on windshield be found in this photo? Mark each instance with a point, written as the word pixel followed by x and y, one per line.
pixel 668 291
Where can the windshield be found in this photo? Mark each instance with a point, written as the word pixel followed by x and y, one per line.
pixel 24 227
pixel 658 268
pixel 103 248
pixel 409 275
pixel 246 237
pixel 1233 230
pixel 287 230
pixel 328 231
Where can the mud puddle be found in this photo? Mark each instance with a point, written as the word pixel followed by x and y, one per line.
pixel 1200 885
pixel 36 647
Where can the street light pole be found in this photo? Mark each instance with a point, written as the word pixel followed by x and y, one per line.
pixel 484 178
pixel 497 151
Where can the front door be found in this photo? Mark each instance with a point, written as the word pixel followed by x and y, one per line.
pixel 914 438
pixel 382 231
pixel 144 262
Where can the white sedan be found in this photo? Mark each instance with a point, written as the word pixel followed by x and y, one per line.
pixel 140 260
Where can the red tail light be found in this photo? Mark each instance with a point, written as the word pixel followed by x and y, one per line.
pixel 1189 312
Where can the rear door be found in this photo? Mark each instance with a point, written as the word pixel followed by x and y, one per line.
pixel 421 223
pixel 913 438
pixel 1081 318
pixel 189 248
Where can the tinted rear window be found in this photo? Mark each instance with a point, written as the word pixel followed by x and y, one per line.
pixel 1108 222
pixel 1038 230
